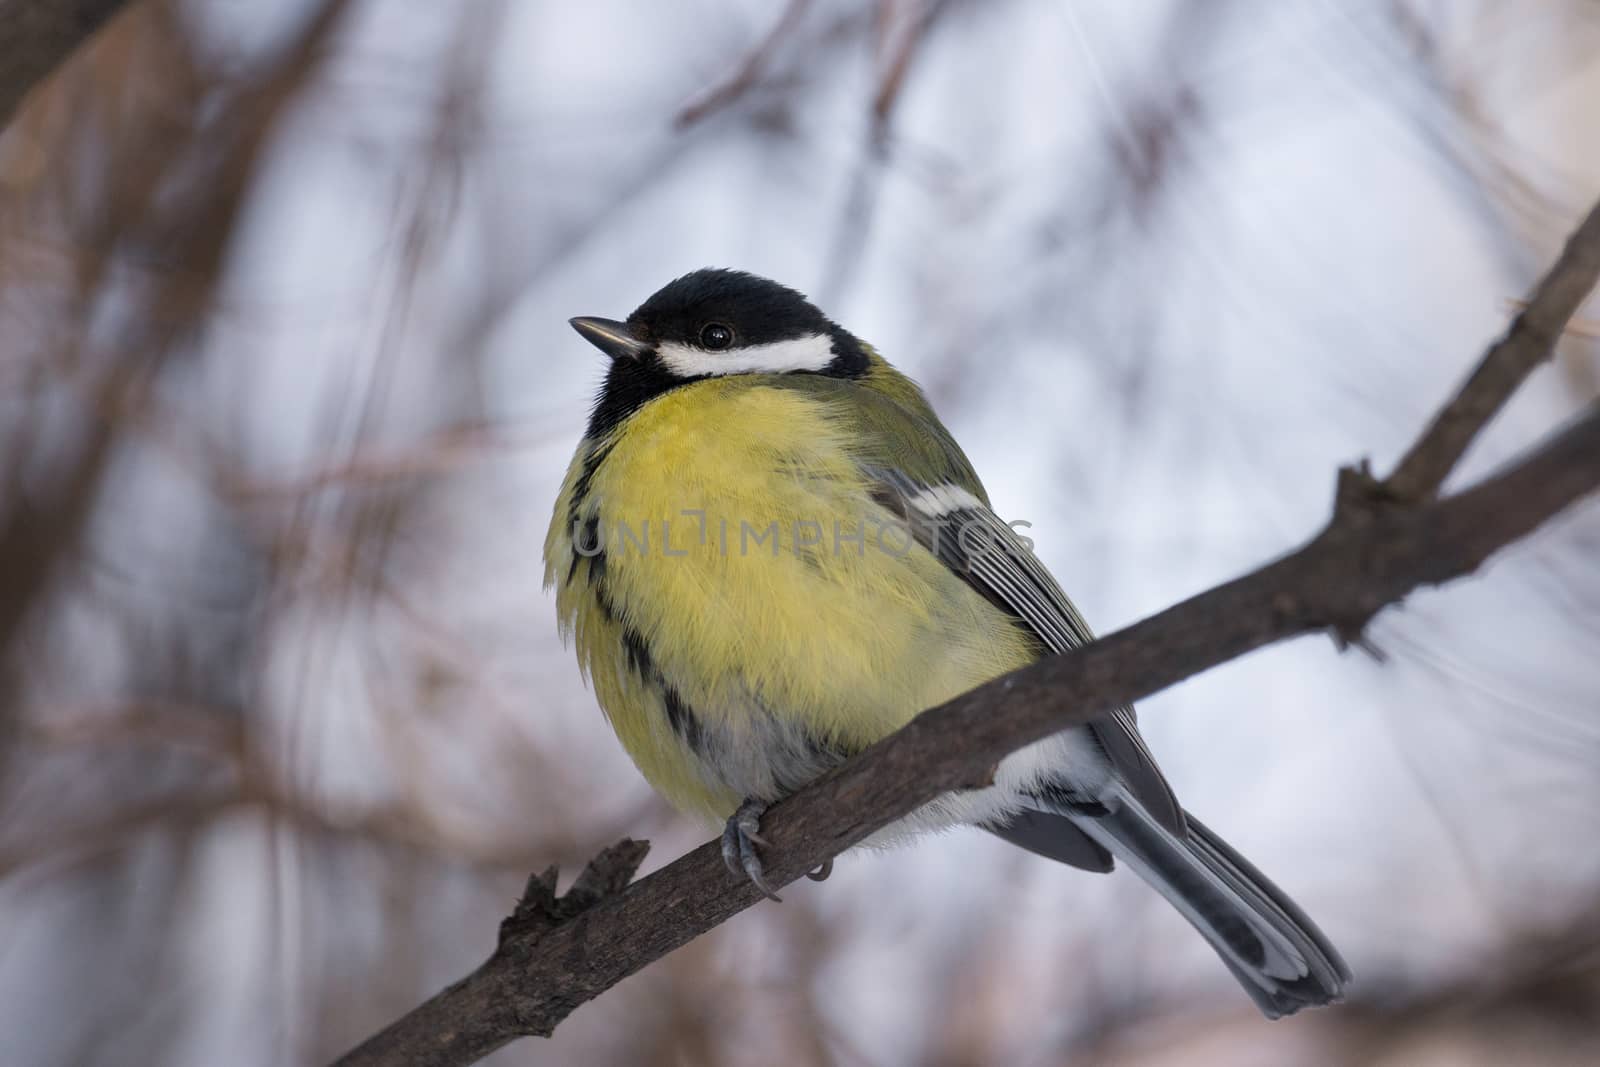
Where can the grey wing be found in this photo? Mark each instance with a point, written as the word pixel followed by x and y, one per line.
pixel 1054 836
pixel 971 540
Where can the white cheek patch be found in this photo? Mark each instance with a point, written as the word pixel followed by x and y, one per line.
pixel 812 353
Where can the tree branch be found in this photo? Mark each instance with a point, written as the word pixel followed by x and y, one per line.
pixel 1381 543
pixel 36 36
pixel 1528 343
pixel 748 73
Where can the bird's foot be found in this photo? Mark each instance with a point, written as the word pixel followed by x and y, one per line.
pixel 739 840
pixel 821 873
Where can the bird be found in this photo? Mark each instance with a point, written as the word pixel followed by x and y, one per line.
pixel 768 553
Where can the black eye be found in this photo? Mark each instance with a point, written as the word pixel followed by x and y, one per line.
pixel 716 336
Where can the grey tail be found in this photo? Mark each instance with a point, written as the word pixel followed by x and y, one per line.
pixel 1280 957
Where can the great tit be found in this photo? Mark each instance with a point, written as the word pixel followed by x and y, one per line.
pixel 770 553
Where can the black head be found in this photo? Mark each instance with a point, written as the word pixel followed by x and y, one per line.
pixel 712 323
pixel 755 311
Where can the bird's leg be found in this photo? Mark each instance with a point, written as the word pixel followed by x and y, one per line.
pixel 739 840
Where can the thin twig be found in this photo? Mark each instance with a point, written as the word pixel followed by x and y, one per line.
pixel 1577 327
pixel 900 51
pixel 743 79
pixel 1528 342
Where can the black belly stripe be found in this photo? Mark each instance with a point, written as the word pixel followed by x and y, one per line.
pixel 591 551
pixel 586 531
pixel 580 488
pixel 638 653
pixel 680 716
pixel 608 609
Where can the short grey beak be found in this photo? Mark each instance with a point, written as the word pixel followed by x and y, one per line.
pixel 615 339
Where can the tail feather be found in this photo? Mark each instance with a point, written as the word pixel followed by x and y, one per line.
pixel 1280 957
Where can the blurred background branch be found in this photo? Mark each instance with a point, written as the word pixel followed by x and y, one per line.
pixel 38 36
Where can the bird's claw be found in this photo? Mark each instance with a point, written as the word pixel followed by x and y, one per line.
pixel 821 873
pixel 739 840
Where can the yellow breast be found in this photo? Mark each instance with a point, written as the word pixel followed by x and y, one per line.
pixel 745 611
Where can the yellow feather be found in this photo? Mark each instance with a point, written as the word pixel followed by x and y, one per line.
pixel 848 639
